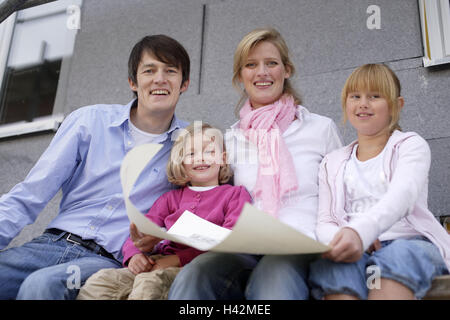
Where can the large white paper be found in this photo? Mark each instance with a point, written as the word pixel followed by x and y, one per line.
pixel 255 232
pixel 203 233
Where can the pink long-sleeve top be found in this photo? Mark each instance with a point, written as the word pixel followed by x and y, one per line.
pixel 406 163
pixel 221 205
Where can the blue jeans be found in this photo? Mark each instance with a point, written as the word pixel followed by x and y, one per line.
pixel 222 276
pixel 48 268
pixel 412 262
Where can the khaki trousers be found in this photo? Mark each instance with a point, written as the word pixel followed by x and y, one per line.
pixel 122 284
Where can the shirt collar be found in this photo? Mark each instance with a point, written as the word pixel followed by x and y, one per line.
pixel 176 124
pixel 125 116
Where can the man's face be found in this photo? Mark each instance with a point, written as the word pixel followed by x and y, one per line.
pixel 158 86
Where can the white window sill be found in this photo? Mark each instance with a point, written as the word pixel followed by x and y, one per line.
pixel 39 124
pixel 428 62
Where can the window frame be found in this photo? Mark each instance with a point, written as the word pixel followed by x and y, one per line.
pixel 39 124
pixel 43 123
pixel 435 25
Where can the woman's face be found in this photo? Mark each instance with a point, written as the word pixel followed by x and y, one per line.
pixel 263 75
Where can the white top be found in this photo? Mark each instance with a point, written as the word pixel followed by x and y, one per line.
pixel 406 164
pixel 365 184
pixel 141 137
pixel 309 138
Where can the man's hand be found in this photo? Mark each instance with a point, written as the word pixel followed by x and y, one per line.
pixel 140 263
pixel 346 246
pixel 144 242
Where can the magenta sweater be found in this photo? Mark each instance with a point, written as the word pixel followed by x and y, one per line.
pixel 221 205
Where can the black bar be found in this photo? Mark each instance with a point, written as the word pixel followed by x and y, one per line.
pixel 202 45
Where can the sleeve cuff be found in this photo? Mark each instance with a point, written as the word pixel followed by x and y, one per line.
pixel 128 251
pixel 326 233
pixel 367 231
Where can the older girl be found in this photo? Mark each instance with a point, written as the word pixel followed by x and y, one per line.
pixel 275 150
pixel 373 202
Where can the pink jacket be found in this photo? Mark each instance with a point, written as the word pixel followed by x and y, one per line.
pixel 406 164
pixel 221 205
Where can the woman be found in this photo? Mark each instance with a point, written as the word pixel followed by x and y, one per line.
pixel 275 150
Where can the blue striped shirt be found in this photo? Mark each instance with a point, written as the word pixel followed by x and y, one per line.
pixel 83 160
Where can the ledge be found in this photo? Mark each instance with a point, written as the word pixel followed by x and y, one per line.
pixel 440 289
pixel 39 124
pixel 434 62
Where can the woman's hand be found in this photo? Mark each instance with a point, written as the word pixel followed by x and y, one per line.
pixel 144 242
pixel 140 263
pixel 346 246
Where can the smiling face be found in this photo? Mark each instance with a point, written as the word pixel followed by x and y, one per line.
pixel 202 161
pixel 372 87
pixel 368 112
pixel 263 74
pixel 158 85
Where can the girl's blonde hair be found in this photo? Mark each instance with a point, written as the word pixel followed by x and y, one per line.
pixel 378 78
pixel 242 52
pixel 175 169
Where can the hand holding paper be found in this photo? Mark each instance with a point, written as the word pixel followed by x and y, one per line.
pixel 255 232
pixel 144 242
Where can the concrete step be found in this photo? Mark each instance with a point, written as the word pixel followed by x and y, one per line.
pixel 440 289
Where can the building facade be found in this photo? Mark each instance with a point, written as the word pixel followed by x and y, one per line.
pixel 327 40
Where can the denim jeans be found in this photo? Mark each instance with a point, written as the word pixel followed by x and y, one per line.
pixel 222 276
pixel 412 262
pixel 48 268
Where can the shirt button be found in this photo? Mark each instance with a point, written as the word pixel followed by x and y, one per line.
pixel 92 227
pixel 198 196
pixel 109 208
pixel 192 207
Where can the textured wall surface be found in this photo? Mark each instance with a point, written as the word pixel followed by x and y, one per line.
pixel 17 157
pixel 327 39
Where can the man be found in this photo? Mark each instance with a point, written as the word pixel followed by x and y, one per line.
pixel 83 160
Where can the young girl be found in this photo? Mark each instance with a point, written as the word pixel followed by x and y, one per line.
pixel 198 164
pixel 373 202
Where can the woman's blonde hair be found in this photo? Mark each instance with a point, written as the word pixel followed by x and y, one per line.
pixel 378 78
pixel 175 169
pixel 242 52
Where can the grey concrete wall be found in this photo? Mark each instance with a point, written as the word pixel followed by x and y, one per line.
pixel 327 39
pixel 17 157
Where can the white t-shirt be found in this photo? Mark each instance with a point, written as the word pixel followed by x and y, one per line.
pixel 365 184
pixel 309 138
pixel 201 189
pixel 141 137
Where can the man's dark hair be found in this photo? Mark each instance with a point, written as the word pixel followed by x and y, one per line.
pixel 165 49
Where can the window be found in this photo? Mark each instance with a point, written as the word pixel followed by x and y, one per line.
pixel 34 43
pixel 435 22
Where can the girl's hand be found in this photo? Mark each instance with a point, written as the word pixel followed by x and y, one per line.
pixel 376 245
pixel 167 262
pixel 140 263
pixel 144 242
pixel 346 246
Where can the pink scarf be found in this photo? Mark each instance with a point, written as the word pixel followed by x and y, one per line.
pixel 276 172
